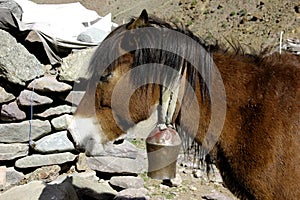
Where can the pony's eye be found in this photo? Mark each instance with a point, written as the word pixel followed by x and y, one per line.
pixel 105 77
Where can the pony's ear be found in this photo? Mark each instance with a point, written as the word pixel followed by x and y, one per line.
pixel 141 21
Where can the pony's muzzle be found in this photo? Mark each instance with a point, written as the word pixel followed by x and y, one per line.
pixel 163 147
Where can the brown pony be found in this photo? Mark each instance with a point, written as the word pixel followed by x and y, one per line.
pixel 258 107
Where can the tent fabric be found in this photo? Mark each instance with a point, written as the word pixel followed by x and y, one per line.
pixel 57 26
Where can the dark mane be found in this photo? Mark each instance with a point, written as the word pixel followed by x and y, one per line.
pixel 109 49
pixel 123 38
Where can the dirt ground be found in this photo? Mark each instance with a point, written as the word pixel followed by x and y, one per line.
pixel 255 24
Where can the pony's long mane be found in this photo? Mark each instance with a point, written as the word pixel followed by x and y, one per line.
pixel 121 38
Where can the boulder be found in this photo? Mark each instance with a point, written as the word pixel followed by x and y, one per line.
pixel 5 96
pixel 71 188
pixel 89 175
pixel 56 142
pixel 118 165
pixel 37 160
pixel 75 66
pixel 87 187
pixel 55 111
pixel 92 35
pixel 122 150
pixel 61 122
pixel 12 151
pixel 74 97
pixel 101 190
pixel 19 132
pixel 133 193
pixel 125 182
pixel 28 98
pixel 81 164
pixel 17 65
pixel 13 177
pixel 32 190
pixel 49 84
pixel 11 112
pixel 13 7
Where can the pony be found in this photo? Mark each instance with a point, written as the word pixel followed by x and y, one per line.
pixel 243 109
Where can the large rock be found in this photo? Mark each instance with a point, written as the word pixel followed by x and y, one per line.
pixel 61 122
pixel 13 177
pixel 55 111
pixel 30 191
pixel 70 188
pixel 49 84
pixel 56 142
pixel 74 97
pixel 111 164
pixel 126 182
pixel 81 164
pixel 17 65
pixel 85 189
pixel 100 189
pixel 5 96
pixel 37 160
pixel 90 175
pixel 13 7
pixel 74 67
pixel 19 132
pixel 9 177
pixel 28 98
pixel 12 151
pixel 133 193
pixel 11 112
pixel 123 150
pixel 92 35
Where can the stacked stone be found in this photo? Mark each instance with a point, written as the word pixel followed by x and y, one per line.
pixel 32 106
pixel 37 104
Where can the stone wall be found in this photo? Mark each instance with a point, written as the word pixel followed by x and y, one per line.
pixel 37 103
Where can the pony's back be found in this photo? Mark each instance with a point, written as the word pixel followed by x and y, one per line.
pixel 258 150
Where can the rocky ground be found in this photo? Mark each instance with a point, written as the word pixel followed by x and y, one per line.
pixel 191 182
pixel 254 24
pixel 77 181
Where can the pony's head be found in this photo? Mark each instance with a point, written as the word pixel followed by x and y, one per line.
pixel 95 121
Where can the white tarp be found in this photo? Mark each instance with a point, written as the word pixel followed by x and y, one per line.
pixel 60 24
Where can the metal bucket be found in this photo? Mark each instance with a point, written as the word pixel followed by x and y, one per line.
pixel 163 146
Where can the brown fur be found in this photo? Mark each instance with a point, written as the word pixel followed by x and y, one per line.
pixel 258 150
